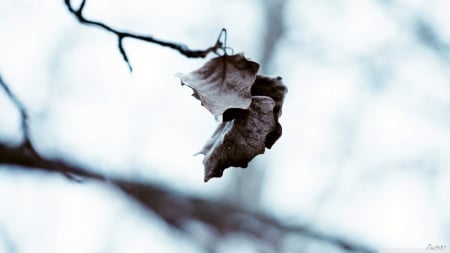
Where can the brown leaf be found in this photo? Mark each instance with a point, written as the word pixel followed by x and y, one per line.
pixel 237 141
pixel 274 88
pixel 270 87
pixel 223 82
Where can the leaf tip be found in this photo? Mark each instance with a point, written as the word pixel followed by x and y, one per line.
pixel 212 173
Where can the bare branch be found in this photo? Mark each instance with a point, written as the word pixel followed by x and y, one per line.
pixel 178 209
pixel 17 157
pixel 181 48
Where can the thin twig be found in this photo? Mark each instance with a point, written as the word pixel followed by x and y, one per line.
pixel 124 54
pixel 181 48
pixel 23 117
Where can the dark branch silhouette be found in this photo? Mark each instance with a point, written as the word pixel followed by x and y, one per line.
pixel 179 209
pixel 181 48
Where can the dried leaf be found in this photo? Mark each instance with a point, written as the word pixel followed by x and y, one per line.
pixel 270 87
pixel 223 82
pixel 274 88
pixel 237 141
pixel 249 106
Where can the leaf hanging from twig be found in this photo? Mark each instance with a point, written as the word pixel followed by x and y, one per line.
pixel 248 104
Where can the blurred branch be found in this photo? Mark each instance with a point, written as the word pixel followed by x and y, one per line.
pixel 420 27
pixel 179 209
pixel 16 156
pixel 8 244
pixel 430 38
pixel 225 218
pixel 274 15
pixel 181 48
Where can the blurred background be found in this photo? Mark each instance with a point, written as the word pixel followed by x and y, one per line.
pixel 365 151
